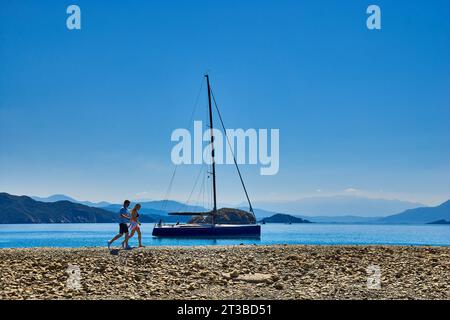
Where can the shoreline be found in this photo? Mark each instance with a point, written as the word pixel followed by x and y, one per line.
pixel 224 246
pixel 226 272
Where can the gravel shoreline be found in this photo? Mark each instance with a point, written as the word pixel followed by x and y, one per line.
pixel 226 272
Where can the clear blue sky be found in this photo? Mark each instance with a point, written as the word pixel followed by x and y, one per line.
pixel 89 113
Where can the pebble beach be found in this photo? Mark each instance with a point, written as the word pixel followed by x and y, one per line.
pixel 227 272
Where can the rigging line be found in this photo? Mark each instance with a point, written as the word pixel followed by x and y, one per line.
pixel 166 197
pixel 200 192
pixel 234 157
pixel 196 102
pixel 193 188
pixel 195 184
pixel 164 204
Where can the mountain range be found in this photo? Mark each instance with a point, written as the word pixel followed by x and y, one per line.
pixel 63 197
pixel 61 208
pixel 23 209
pixel 421 215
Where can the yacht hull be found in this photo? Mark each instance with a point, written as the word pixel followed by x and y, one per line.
pixel 214 231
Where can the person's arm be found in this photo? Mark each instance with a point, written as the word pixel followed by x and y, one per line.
pixel 125 216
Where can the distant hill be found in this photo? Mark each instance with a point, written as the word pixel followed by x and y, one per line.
pixel 170 206
pixel 421 215
pixel 159 207
pixel 159 210
pixel 149 213
pixel 442 221
pixel 284 218
pixel 23 209
pixel 261 214
pixel 63 197
pixel 339 205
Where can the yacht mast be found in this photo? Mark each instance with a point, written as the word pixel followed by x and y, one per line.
pixel 212 150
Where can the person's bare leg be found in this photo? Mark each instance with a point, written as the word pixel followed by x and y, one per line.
pixel 127 237
pixel 115 238
pixel 139 237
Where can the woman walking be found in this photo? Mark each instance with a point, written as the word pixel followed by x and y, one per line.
pixel 134 226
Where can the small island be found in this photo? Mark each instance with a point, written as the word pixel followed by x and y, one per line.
pixel 442 221
pixel 283 218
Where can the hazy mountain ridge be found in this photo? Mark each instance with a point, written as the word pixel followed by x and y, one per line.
pixel 63 197
pixel 23 209
pixel 339 205
pixel 150 212
pixel 421 215
pixel 170 206
pixel 147 210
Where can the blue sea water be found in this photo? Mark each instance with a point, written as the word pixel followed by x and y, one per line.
pixel 89 235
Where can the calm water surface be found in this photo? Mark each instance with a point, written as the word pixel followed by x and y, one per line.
pixel 88 235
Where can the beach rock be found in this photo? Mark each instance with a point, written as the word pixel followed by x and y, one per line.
pixel 255 278
pixel 278 286
pixel 275 277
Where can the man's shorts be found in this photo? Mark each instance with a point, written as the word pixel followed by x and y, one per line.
pixel 123 228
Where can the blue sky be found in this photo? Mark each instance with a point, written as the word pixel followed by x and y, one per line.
pixel 90 112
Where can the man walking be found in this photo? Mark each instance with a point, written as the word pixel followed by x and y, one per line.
pixel 124 217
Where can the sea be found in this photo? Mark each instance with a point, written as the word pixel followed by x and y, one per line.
pixel 96 235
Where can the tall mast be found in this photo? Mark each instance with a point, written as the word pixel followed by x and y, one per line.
pixel 212 149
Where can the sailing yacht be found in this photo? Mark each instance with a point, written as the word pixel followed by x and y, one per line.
pixel 208 227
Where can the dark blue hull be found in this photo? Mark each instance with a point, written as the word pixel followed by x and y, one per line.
pixel 215 231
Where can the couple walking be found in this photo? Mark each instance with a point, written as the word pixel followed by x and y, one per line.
pixel 125 217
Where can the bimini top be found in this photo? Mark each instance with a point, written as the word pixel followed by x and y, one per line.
pixel 190 213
